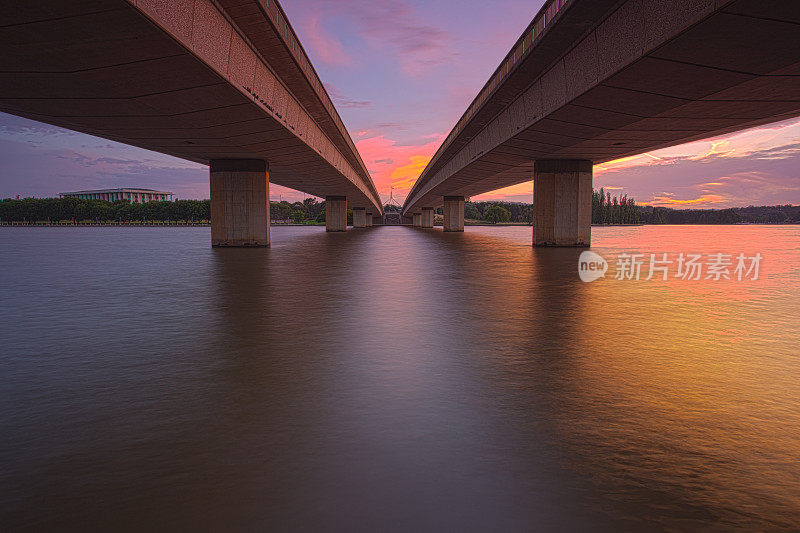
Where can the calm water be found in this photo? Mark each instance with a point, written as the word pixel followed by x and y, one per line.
pixel 394 379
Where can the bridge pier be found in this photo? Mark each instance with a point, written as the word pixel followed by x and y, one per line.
pixel 427 217
pixel 417 220
pixel 239 202
pixel 370 220
pixel 562 202
pixel 359 217
pixel 453 213
pixel 336 213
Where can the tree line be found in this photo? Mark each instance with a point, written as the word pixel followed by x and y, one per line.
pixel 606 209
pixel 83 210
pixel 612 210
pixel 666 215
pixel 309 210
pixel 765 214
pixel 198 211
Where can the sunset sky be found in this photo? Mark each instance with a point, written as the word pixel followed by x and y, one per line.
pixel 401 74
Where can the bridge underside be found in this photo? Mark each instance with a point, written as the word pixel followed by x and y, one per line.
pixel 195 90
pixel 726 69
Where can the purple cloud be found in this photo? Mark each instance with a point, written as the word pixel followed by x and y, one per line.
pixel 341 100
pixel 392 26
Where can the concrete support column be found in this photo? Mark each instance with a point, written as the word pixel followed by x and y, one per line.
pixel 359 217
pixel 369 220
pixel 335 213
pixel 427 217
pixel 453 213
pixel 239 202
pixel 417 220
pixel 562 202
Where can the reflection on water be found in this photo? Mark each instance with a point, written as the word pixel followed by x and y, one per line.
pixel 394 379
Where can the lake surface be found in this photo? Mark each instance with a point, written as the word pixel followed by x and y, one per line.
pixel 394 379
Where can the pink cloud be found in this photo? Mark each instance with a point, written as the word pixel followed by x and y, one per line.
pixel 392 27
pixel 769 142
pixel 737 189
pixel 324 47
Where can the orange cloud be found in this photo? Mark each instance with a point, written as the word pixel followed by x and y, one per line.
pixel 404 177
pixel 706 199
pixel 641 160
pixel 395 165
pixel 520 189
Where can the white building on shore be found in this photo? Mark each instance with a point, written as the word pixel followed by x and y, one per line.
pixel 134 196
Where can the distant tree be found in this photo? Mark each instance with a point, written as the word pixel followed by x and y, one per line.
pixel 280 210
pixel 497 214
pixel 527 217
pixel 776 217
pixel 471 211
pixel 312 208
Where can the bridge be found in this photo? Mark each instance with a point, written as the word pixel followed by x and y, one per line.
pixel 591 81
pixel 224 83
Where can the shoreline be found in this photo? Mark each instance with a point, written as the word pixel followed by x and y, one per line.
pixel 279 224
pixel 125 225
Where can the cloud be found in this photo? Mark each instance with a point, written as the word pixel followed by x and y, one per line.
pixel 521 192
pixel 34 170
pixel 759 166
pixel 403 177
pixel 343 101
pixel 705 200
pixel 19 128
pixel 396 165
pixel 325 47
pixel 771 142
pixel 749 187
pixel 418 46
pixel 778 152
pixel 392 27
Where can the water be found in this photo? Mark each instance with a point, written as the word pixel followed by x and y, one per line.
pixel 394 379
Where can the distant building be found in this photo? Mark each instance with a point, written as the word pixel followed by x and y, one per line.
pixel 134 196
